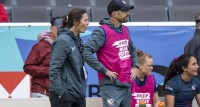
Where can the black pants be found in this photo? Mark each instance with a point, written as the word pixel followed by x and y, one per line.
pixel 64 101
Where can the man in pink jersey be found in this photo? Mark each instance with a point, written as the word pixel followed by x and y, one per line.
pixel 116 62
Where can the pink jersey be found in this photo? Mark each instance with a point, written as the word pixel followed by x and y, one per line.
pixel 144 93
pixel 115 54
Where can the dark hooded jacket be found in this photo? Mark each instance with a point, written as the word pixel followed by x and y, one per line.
pixel 192 47
pixel 66 66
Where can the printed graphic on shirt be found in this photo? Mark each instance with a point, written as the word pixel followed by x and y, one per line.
pixel 194 87
pixel 167 87
pixel 142 97
pixel 123 49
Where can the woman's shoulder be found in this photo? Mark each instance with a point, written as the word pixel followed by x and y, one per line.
pixel 175 78
pixel 196 79
pixel 63 37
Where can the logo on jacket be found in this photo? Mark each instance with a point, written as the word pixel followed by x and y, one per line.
pixel 73 48
pixel 123 1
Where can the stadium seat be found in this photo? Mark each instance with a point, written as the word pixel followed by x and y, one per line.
pixel 62 11
pixel 6 2
pixel 73 2
pixel 150 2
pixel 8 10
pixel 185 2
pixel 97 13
pixel 149 14
pixel 30 14
pixel 183 13
pixel 105 2
pixel 33 2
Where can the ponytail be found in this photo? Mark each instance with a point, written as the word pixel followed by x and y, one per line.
pixel 171 72
pixel 142 57
pixel 64 21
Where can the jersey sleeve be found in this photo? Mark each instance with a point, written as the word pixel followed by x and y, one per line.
pixel 170 88
pixel 198 86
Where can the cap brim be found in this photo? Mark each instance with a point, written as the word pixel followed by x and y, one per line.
pixel 127 8
pixel 58 22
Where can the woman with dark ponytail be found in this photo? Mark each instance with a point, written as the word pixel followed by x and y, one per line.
pixel 67 74
pixel 180 85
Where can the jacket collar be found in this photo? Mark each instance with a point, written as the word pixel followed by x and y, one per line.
pixel 197 32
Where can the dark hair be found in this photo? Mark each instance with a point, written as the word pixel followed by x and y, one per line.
pixel 197 20
pixel 176 67
pixel 56 21
pixel 73 16
pixel 142 56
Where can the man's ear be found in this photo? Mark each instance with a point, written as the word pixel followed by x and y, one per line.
pixel 115 13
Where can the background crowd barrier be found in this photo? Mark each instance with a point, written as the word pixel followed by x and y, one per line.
pixel 38 102
pixel 43 102
pixel 163 40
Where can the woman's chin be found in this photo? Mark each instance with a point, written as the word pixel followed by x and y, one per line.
pixel 195 73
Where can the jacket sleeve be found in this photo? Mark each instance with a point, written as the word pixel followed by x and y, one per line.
pixel 32 65
pixel 94 43
pixel 59 53
pixel 133 54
